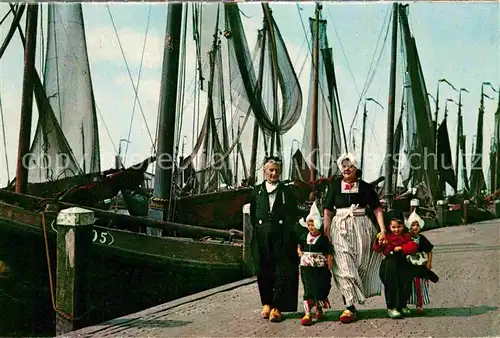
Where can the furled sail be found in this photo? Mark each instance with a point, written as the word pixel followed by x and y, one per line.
pixel 211 152
pixel 328 125
pixel 245 95
pixel 446 172
pixel 50 156
pixel 423 118
pixel 68 85
pixel 477 176
pixel 291 94
pixel 495 153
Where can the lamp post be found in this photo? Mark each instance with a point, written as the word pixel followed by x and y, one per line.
pixel 437 105
pixel 364 129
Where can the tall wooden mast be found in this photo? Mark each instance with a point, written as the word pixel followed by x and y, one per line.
pixel 167 109
pixel 391 107
pixel 27 99
pixel 314 124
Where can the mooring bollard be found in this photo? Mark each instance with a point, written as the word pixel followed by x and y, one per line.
pixel 465 211
pixel 248 262
pixel 497 208
pixel 414 203
pixel 74 244
pixel 441 213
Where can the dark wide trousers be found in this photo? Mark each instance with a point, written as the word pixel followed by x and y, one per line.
pixel 277 267
pixel 396 275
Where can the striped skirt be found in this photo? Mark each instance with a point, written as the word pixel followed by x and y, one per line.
pixel 355 265
pixel 419 292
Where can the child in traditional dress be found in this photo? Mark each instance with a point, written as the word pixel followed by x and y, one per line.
pixel 395 271
pixel 420 286
pixel 316 260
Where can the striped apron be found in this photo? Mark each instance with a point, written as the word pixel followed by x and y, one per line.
pixel 355 264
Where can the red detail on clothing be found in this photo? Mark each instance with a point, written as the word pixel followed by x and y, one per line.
pixel 313 239
pixel 408 246
pixel 348 186
pixel 418 287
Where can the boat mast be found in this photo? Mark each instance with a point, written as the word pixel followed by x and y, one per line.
pixel 27 99
pixel 314 124
pixel 255 138
pixel 211 124
pixel 167 109
pixel 275 136
pixel 497 145
pixel 459 133
pixel 391 107
pixel 363 135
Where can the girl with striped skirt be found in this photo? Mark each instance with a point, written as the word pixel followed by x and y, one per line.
pixel 420 286
pixel 352 232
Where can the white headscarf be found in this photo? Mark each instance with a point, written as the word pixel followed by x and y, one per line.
pixel 347 156
pixel 315 215
pixel 415 217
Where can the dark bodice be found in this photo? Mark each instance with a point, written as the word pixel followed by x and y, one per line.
pixel 322 245
pixel 424 245
pixel 365 196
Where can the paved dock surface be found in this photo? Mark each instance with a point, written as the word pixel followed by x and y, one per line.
pixel 465 302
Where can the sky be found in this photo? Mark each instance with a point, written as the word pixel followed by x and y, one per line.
pixel 456 41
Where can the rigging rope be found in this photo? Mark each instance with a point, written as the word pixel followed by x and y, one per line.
pixel 4 139
pixel 343 51
pixel 371 76
pixel 138 83
pixel 130 76
pixel 5 17
pixel 235 155
pixel 42 59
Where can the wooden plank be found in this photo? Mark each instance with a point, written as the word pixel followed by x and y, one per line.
pixel 183 230
pixel 191 250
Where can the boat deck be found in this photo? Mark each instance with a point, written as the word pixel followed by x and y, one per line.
pixel 465 302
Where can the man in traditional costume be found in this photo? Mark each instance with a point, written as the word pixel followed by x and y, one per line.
pixel 274 215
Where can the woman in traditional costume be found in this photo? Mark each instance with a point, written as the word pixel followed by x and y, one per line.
pixel 352 233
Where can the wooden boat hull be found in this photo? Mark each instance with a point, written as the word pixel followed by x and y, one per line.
pixel 217 210
pixel 122 264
